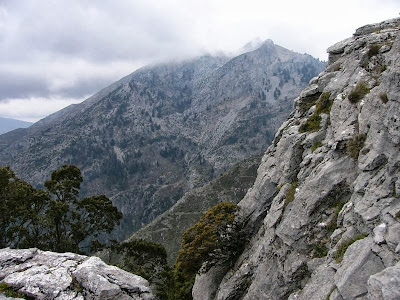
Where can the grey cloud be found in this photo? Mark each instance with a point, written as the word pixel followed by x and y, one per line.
pixel 97 31
pixel 37 34
pixel 21 86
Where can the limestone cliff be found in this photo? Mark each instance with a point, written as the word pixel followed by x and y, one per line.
pixel 37 274
pixel 323 217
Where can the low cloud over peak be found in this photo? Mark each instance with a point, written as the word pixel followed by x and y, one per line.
pixel 64 51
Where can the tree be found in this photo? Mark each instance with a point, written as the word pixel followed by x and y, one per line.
pixel 55 219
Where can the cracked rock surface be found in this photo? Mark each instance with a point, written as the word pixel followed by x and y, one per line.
pixel 48 275
pixel 338 235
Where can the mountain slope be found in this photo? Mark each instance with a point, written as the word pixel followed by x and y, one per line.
pixel 323 215
pixel 7 124
pixel 231 186
pixel 164 129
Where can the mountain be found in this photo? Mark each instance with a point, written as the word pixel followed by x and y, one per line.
pixel 157 133
pixel 323 216
pixel 7 124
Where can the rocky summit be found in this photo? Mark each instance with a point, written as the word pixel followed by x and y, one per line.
pixel 47 275
pixel 152 136
pixel 323 217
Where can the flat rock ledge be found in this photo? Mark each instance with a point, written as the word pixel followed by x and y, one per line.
pixel 47 275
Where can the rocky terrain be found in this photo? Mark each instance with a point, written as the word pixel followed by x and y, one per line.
pixel 39 274
pixel 323 216
pixel 159 132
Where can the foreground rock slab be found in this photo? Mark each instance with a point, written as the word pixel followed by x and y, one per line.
pixel 48 275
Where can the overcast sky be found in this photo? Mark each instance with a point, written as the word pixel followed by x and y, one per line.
pixel 54 53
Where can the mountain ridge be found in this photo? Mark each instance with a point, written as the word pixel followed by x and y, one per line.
pixel 8 124
pixel 162 130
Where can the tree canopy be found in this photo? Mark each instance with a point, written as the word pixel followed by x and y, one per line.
pixel 54 219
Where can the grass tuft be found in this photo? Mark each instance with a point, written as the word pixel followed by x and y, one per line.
pixel 316 146
pixel 359 92
pixel 10 292
pixel 324 104
pixel 290 193
pixel 320 250
pixel 355 145
pixel 374 50
pixel 312 124
pixel 343 247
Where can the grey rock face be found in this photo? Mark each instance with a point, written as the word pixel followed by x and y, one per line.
pixel 48 275
pixel 385 285
pixel 336 236
pixel 358 264
pixel 152 136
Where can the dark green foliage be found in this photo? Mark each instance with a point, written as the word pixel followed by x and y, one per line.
pixel 323 105
pixel 55 219
pixel 373 50
pixel 312 124
pixel 142 257
pixel 10 292
pixel 355 145
pixel 316 146
pixel 146 259
pixel 215 239
pixel 306 103
pixel 383 97
pixel 359 92
pixel 200 240
pixel 343 247
pixel 320 250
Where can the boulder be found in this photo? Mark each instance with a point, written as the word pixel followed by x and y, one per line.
pixel 385 285
pixel 48 275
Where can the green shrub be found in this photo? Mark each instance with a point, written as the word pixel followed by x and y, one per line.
pixel 374 50
pixel 384 98
pixel 316 146
pixel 343 247
pixel 359 92
pixel 355 145
pixel 200 240
pixel 312 124
pixel 324 104
pixel 290 193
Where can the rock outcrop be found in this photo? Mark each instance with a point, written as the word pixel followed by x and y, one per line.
pixel 323 216
pixel 47 275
